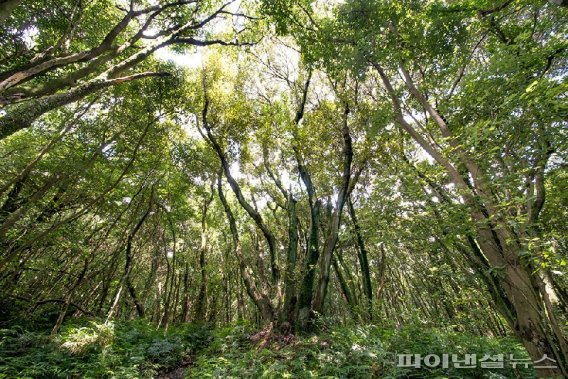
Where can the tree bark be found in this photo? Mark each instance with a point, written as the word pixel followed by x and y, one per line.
pixel 535 324
pixel 290 297
pixel 201 304
pixel 312 256
pixel 363 259
pixel 21 116
pixel 253 213
pixel 260 299
pixel 125 280
pixel 332 237
pixel 6 8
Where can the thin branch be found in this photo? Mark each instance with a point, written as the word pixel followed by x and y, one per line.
pixel 485 12
pixel 197 42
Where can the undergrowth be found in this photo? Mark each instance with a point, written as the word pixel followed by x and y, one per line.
pixel 91 349
pixel 135 349
pixel 353 352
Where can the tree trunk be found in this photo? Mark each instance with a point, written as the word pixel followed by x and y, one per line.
pixel 125 280
pixel 6 7
pixel 290 297
pixel 260 299
pixel 306 290
pixel 21 116
pixel 253 213
pixel 185 306
pixel 349 298
pixel 201 304
pixel 331 240
pixel 534 322
pixel 363 259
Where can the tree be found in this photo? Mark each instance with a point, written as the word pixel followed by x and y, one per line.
pixel 390 162
pixel 63 67
pixel 430 94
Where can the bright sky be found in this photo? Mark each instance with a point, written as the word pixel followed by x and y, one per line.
pixel 192 60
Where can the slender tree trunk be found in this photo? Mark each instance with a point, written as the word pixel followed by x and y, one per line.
pixel 290 297
pixel 185 306
pixel 306 291
pixel 128 265
pixel 534 323
pixel 260 299
pixel 201 304
pixel 345 289
pixel 68 297
pixel 331 240
pixel 252 212
pixel 363 259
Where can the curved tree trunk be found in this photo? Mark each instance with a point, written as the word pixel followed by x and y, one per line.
pixel 260 299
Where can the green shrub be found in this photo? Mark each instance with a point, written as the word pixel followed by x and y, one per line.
pixel 136 349
pixel 353 352
pixel 91 349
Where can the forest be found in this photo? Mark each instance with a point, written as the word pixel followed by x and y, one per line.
pixel 283 189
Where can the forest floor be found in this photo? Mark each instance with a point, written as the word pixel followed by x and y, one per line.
pixel 93 349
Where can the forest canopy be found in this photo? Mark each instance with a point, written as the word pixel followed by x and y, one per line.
pixel 361 172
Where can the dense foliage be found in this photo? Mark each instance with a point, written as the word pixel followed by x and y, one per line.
pixel 88 349
pixel 308 169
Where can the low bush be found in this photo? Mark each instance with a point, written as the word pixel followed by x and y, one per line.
pixel 92 349
pixel 357 352
pixel 136 349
